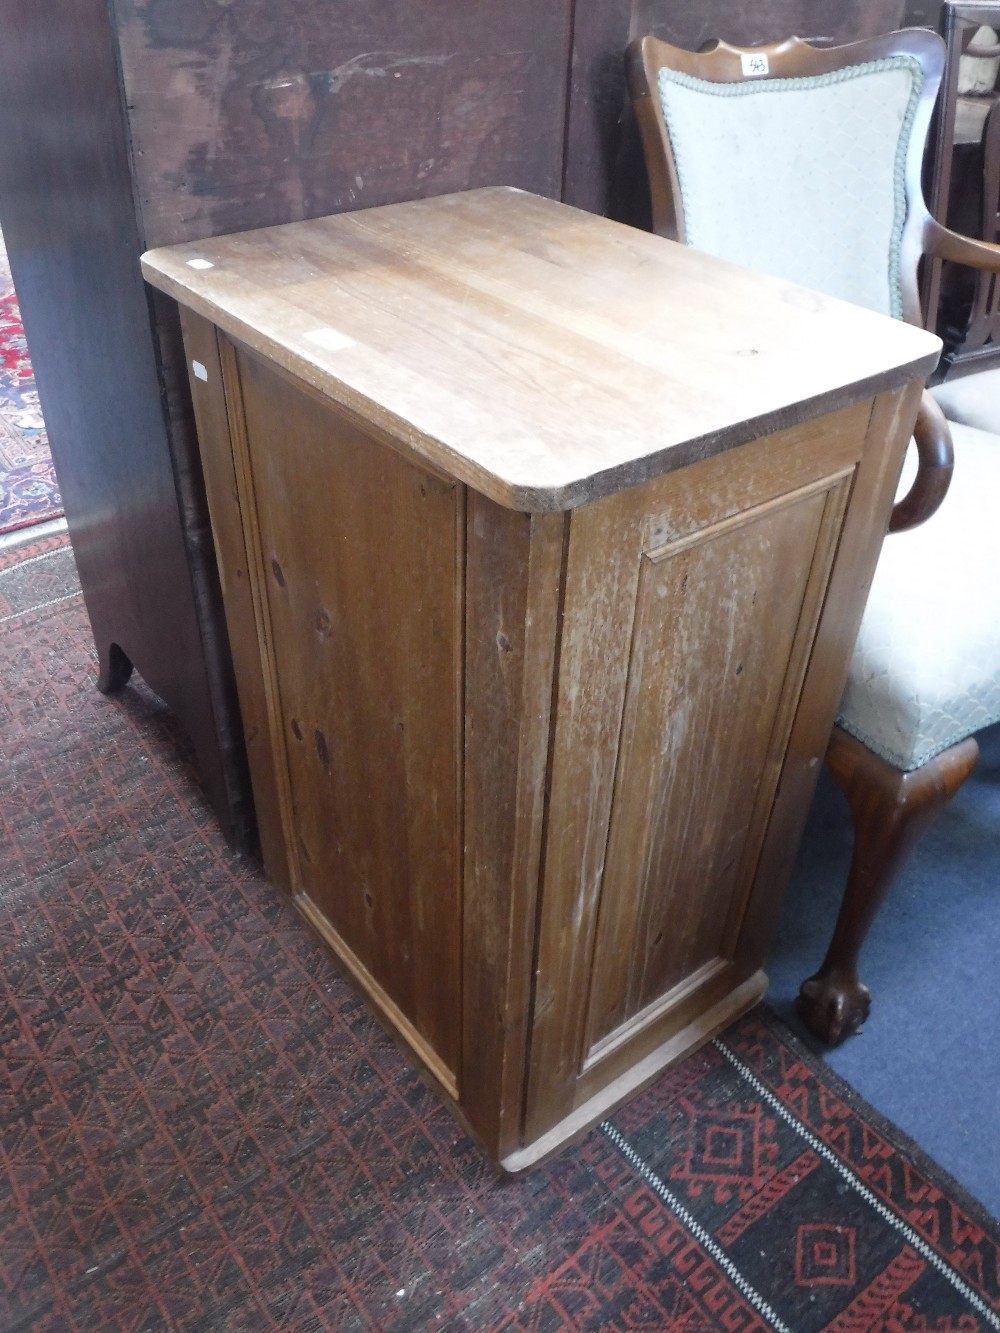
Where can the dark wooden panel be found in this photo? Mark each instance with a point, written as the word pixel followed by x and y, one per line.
pixel 257 113
pixel 596 103
pixel 67 213
pixel 604 170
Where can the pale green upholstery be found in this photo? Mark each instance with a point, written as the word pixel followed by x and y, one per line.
pixel 802 178
pixel 926 668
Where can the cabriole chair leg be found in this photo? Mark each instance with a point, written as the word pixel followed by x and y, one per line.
pixel 891 811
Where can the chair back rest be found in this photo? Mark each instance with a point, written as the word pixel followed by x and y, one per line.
pixel 795 160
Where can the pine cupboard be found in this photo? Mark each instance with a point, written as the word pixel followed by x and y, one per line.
pixel 542 579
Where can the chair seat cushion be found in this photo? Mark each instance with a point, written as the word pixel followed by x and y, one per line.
pixel 973 400
pixel 926 669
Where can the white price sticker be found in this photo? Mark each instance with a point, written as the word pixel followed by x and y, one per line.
pixel 200 263
pixel 754 64
pixel 199 371
pixel 330 339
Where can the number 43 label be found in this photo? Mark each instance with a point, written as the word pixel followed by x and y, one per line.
pixel 754 64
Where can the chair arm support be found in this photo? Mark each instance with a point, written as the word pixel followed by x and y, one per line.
pixel 946 244
pixel 935 462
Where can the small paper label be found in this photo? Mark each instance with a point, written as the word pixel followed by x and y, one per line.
pixel 200 263
pixel 754 64
pixel 199 371
pixel 330 339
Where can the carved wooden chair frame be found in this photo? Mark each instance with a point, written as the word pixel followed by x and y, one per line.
pixel 890 809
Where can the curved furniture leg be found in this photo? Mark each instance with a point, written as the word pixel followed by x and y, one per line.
pixel 891 811
pixel 115 669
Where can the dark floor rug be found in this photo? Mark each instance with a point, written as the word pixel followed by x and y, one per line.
pixel 29 490
pixel 201 1126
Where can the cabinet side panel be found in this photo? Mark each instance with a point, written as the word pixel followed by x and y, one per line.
pixel 607 601
pixel 361 558
pixel 717 621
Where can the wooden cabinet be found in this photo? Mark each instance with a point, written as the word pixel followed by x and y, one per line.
pixel 542 581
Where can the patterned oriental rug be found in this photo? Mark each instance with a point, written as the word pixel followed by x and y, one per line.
pixel 29 491
pixel 202 1127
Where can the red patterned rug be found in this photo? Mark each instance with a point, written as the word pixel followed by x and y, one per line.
pixel 202 1127
pixel 29 492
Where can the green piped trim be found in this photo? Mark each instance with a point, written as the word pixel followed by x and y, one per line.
pixel 756 86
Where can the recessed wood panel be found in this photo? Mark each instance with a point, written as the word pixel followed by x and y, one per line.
pixel 716 620
pixel 778 500
pixel 361 564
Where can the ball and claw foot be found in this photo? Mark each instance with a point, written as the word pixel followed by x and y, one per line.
pixel 833 1006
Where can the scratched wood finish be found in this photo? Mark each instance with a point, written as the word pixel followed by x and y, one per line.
pixel 457 331
pixel 713 591
pixel 147 122
pixel 534 773
pixel 243 115
pixel 693 602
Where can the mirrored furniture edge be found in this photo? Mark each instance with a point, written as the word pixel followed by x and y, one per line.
pixel 542 579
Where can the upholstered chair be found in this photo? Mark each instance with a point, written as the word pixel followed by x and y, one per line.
pixel 805 163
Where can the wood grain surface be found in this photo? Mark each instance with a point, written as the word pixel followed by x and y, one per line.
pixel 691 606
pixel 361 603
pixel 536 776
pixel 455 331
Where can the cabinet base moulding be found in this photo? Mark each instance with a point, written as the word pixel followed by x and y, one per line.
pixel 603 1103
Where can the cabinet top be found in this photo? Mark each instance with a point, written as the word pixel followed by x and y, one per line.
pixel 540 354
